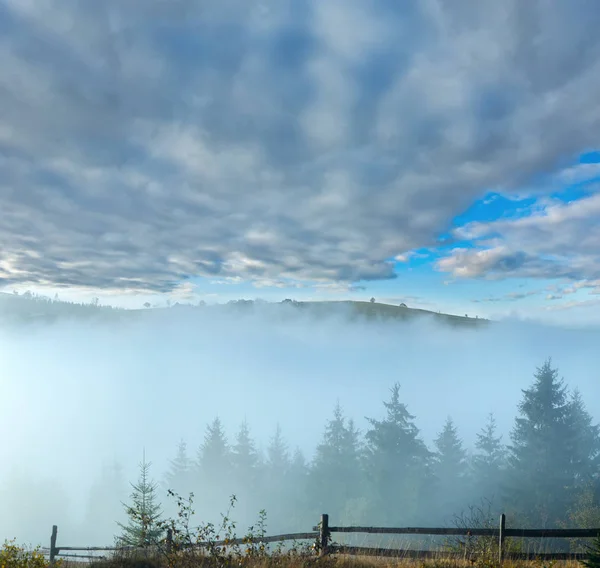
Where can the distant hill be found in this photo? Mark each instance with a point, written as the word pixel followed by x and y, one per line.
pixel 28 308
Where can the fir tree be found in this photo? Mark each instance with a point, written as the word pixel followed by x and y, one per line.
pixel 214 458
pixel 278 458
pixel 214 468
pixel 585 441
pixel 450 468
pixel 450 457
pixel 144 512
pixel 246 469
pixel 396 462
pixel 245 458
pixel 335 474
pixel 179 476
pixel 299 514
pixel 593 554
pixel 541 454
pixel 275 486
pixel 489 461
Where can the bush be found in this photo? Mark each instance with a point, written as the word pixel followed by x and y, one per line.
pixel 14 556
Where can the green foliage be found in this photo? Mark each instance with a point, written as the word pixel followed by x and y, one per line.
pixel 144 512
pixel 541 454
pixel 449 468
pixel 335 476
pixel 593 557
pixel 180 471
pixel 488 466
pixel 396 461
pixel 14 556
pixel 217 544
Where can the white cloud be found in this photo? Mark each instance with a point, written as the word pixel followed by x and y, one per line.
pixel 562 240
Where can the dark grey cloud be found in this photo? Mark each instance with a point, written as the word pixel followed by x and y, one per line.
pixel 145 142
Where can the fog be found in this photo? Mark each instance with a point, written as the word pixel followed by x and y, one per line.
pixel 77 397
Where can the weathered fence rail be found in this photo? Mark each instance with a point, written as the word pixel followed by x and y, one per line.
pixel 322 534
pixel 501 533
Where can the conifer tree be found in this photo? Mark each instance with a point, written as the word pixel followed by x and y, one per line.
pixel 179 476
pixel 489 462
pixel 335 474
pixel 275 486
pixel 144 512
pixel 214 468
pixel 278 457
pixel 396 462
pixel 541 454
pixel 585 441
pixel 245 458
pixel 299 514
pixel 246 472
pixel 450 468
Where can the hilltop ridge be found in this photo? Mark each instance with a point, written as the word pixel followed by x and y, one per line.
pixel 29 308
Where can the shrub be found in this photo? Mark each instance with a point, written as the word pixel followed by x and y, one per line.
pixel 14 556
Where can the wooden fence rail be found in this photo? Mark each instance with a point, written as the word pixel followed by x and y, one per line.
pixel 323 531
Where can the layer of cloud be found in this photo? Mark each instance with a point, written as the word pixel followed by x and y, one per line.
pixel 143 143
pixel 562 240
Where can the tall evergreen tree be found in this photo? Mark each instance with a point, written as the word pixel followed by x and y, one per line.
pixel 278 456
pixel 214 457
pixel 144 511
pixel 489 462
pixel 396 462
pixel 275 487
pixel 541 454
pixel 245 459
pixel 246 471
pixel 335 476
pixel 299 513
pixel 450 469
pixel 585 442
pixel 214 469
pixel 179 476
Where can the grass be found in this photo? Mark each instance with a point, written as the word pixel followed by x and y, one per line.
pixel 337 561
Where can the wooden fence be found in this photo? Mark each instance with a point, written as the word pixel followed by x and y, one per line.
pixel 322 535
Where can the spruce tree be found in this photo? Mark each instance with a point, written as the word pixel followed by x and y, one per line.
pixel 489 462
pixel 144 512
pixel 396 463
pixel 299 513
pixel 541 454
pixel 245 459
pixel 246 471
pixel 275 486
pixel 214 468
pixel 278 457
pixel 179 476
pixel 450 469
pixel 585 441
pixel 335 474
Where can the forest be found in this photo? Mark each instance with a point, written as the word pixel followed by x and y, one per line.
pixel 545 474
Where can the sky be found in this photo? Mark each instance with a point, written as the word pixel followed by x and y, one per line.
pixel 444 155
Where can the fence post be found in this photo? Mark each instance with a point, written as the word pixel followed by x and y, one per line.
pixel 169 541
pixel 501 538
pixel 324 535
pixel 53 550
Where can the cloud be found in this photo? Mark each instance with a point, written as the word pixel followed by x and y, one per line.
pixel 142 144
pixel 510 297
pixel 560 240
